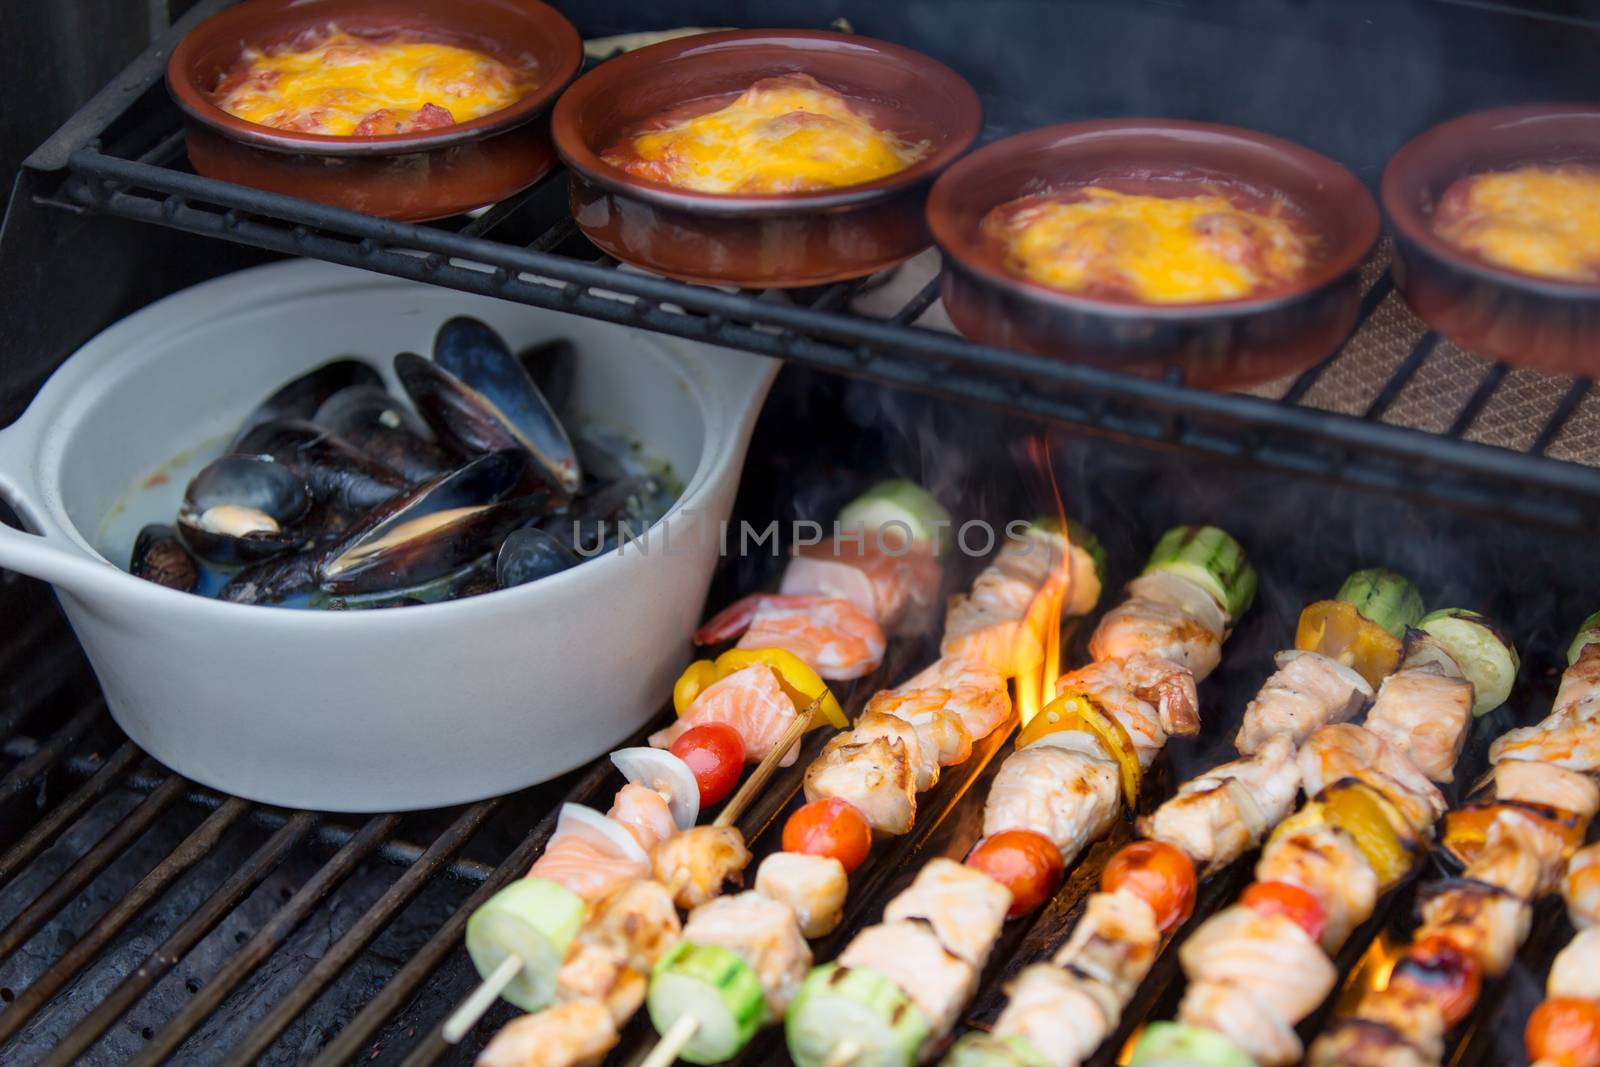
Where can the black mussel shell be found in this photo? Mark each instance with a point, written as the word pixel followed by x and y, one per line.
pixel 272 581
pixel 159 556
pixel 474 578
pixel 530 554
pixel 384 427
pixel 478 398
pixel 435 528
pixel 345 481
pixel 553 366
pixel 239 509
pixel 300 398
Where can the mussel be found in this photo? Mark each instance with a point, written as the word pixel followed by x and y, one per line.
pixel 272 581
pixel 300 398
pixel 345 482
pixel 385 428
pixel 479 398
pixel 239 509
pixel 159 556
pixel 553 366
pixel 435 528
pixel 529 554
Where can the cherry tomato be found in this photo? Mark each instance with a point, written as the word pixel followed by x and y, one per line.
pixel 714 751
pixel 1026 863
pixel 1565 1031
pixel 1439 970
pixel 1158 873
pixel 1288 900
pixel 830 827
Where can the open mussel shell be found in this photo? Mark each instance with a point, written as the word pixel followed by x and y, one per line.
pixel 529 554
pixel 434 529
pixel 479 398
pixel 239 509
pixel 272 581
pixel 159 556
pixel 553 366
pixel 470 580
pixel 345 482
pixel 385 428
pixel 301 398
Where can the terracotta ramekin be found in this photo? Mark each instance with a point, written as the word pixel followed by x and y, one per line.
pixel 1220 344
pixel 410 176
pixel 808 238
pixel 1493 311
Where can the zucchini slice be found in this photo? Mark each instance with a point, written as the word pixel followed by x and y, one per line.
pixel 901 502
pixel 718 989
pixel 1384 597
pixel 1086 558
pixel 535 920
pixel 1167 1044
pixel 1588 634
pixel 1485 655
pixel 986 1050
pixel 855 1003
pixel 1210 558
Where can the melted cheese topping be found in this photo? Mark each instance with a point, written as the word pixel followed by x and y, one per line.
pixel 347 85
pixel 786 134
pixel 1157 249
pixel 1536 219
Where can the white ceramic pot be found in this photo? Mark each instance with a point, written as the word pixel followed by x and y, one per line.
pixel 371 710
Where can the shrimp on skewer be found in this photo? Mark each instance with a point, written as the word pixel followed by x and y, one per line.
pixel 1148 888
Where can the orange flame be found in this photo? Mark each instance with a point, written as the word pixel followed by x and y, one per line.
pixel 1036 674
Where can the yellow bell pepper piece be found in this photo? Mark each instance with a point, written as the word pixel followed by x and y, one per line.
pixel 1337 630
pixel 1372 821
pixel 797 678
pixel 695 679
pixel 1466 829
pixel 1073 710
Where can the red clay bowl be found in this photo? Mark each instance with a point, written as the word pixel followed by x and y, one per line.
pixel 1496 312
pixel 808 238
pixel 1220 344
pixel 410 176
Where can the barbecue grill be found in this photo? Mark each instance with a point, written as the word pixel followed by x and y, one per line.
pixel 147 919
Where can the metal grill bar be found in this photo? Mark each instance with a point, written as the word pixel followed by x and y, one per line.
pixel 49 752
pixel 397 851
pixel 219 904
pixel 1369 303
pixel 342 954
pixel 84 871
pixel 1296 440
pixel 267 939
pixel 63 814
pixel 1563 412
pixel 194 848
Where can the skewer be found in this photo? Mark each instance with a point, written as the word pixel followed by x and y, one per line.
pixel 481 999
pixel 769 763
pixel 843 1054
pixel 672 1042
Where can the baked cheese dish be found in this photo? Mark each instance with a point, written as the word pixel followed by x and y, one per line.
pixel 343 85
pixel 1538 219
pixel 1155 249
pixel 781 135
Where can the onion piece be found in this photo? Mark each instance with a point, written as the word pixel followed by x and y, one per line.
pixel 658 769
pixel 600 831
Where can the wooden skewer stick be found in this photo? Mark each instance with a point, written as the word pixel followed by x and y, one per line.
pixel 464 1018
pixel 769 764
pixel 482 999
pixel 843 1054
pixel 682 1031
pixel 672 1042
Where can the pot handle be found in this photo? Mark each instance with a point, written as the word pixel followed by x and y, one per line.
pixel 36 555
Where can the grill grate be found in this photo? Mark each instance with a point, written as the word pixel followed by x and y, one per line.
pixel 1396 409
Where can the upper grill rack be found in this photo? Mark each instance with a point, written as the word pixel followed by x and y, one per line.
pixel 1396 409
